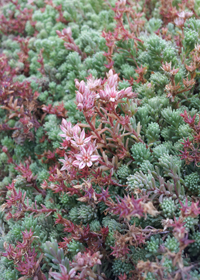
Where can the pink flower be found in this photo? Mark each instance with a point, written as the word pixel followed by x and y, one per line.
pixel 92 83
pixel 67 163
pixel 112 80
pixel 182 16
pixel 179 22
pixel 86 101
pixel 68 130
pixel 79 97
pixel 85 158
pixel 82 87
pixel 76 130
pixel 109 94
pixel 66 127
pixel 80 139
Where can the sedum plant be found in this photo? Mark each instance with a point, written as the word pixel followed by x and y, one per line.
pixel 100 123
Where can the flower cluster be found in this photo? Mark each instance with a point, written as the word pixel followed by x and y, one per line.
pixel 83 148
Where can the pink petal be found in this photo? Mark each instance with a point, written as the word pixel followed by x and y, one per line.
pixel 67 138
pixel 90 150
pixel 62 160
pixel 80 106
pixel 82 136
pixel 83 151
pixel 79 157
pixel 62 135
pixel 89 163
pixel 102 94
pixel 74 144
pixel 63 127
pixel 64 122
pixel 76 130
pixel 82 87
pixel 63 168
pixel 87 139
pixel 79 97
pixel 128 90
pixel 95 157
pixel 82 165
pixel 76 163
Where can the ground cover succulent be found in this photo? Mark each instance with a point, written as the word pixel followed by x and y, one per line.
pixel 99 142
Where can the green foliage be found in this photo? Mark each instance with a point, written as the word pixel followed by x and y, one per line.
pixel 159 151
pixel 167 263
pixel 146 166
pixel 146 91
pixel 54 255
pixel 83 213
pixel 170 163
pixel 123 171
pixel 8 273
pixel 138 254
pixel 192 182
pixel 150 276
pixel 159 80
pixel 154 24
pixel 153 245
pixel 152 132
pixel 168 207
pixel 195 246
pixel 190 222
pixel 190 39
pixel 140 153
pixel 112 224
pixel 8 142
pixel 138 180
pixel 172 244
pixel 110 240
pixel 157 50
pixel 119 267
pixel 95 225
pixel 74 247
pixel 26 224
pixel 195 275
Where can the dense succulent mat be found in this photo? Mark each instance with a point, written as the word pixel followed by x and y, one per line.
pixel 99 139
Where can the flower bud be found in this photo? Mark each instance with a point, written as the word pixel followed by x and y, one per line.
pixel 79 97
pixel 82 87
